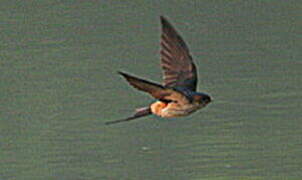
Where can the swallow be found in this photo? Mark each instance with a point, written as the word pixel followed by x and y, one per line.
pixel 177 96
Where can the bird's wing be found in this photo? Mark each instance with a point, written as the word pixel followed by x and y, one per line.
pixel 177 64
pixel 157 91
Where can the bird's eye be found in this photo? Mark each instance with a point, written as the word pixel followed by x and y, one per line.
pixel 206 99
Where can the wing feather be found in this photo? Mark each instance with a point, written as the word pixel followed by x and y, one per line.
pixel 177 64
pixel 157 91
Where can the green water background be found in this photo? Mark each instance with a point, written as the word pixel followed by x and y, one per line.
pixel 58 85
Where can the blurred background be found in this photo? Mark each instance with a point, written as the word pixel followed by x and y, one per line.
pixel 58 84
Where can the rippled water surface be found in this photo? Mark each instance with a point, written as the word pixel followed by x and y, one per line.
pixel 59 85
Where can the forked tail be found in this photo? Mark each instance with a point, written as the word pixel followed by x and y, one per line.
pixel 141 112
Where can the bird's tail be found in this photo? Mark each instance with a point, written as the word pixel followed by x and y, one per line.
pixel 141 112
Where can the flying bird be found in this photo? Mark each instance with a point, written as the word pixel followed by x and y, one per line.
pixel 177 96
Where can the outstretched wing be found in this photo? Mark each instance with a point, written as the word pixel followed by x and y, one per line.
pixel 157 91
pixel 177 64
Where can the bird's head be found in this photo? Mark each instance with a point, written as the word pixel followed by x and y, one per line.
pixel 201 99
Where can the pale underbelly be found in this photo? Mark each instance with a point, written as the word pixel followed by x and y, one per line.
pixel 172 109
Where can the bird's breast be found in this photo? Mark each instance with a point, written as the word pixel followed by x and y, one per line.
pixel 172 109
